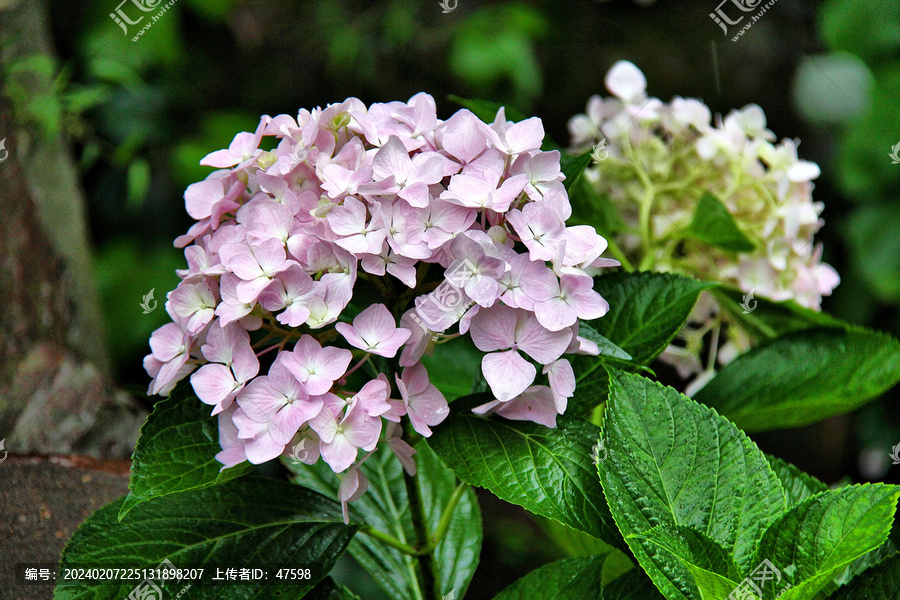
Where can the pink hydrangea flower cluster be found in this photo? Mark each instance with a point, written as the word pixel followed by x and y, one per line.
pixel 458 225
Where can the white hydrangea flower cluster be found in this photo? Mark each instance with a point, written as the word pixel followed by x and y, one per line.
pixel 654 161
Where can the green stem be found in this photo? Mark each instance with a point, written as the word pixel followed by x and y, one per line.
pixel 389 540
pixel 427 568
pixel 646 229
pixel 617 253
pixel 447 516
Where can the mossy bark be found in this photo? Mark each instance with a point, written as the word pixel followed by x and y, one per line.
pixel 55 392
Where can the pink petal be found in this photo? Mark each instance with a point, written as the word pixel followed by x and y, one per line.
pixel 220 159
pixel 259 400
pixel 536 404
pixel 361 430
pixel 291 417
pixel 494 328
pixel 340 453
pixel 262 449
pixel 200 197
pixel 213 383
pixel 555 314
pixel 507 373
pixel 167 342
pixel 463 138
pixel 525 135
pixel 541 344
pixel 373 397
pixel 562 382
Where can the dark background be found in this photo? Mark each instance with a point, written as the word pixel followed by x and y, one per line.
pixel 140 115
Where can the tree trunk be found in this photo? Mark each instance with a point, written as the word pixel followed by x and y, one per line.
pixel 55 392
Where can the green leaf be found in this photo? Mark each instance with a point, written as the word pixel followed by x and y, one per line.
pixel 486 110
pixel 825 533
pixel 547 471
pixel 878 583
pixel 671 461
pixel 454 367
pixel 574 543
pixel 864 562
pixel 800 486
pixel 329 590
pixel 591 387
pixel 176 450
pixel 385 507
pixel 769 319
pixel 646 310
pixel 591 207
pixel 607 348
pixel 573 167
pixel 797 484
pixel 592 382
pixel 804 377
pixel 713 224
pixel 584 578
pixel 248 522
pixel 684 563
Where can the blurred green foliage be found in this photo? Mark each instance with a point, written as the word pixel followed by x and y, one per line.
pixel 126 272
pixel 870 32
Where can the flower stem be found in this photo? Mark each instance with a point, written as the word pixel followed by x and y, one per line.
pixel 447 516
pixel 618 254
pixel 358 365
pixel 427 569
pixel 439 533
pixel 389 540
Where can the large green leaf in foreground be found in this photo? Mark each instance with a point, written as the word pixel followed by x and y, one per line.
pixel 803 377
pixel 547 471
pixel 685 486
pixel 385 507
pixel 177 450
pixel 646 310
pixel 586 578
pixel 878 583
pixel 247 522
pixel 825 533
